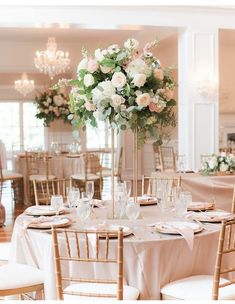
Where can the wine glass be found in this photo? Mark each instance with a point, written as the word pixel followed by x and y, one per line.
pixel 83 209
pixel 127 187
pixel 90 191
pixel 56 203
pixel 73 195
pixel 132 210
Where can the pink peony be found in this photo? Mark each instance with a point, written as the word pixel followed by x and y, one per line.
pixel 169 94
pixel 158 73
pixel 153 107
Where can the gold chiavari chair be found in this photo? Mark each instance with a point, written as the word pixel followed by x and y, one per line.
pixel 167 159
pixel 150 183
pixel 233 200
pixel 156 155
pixel 43 190
pixel 77 247
pixel 92 171
pixel 37 168
pixel 107 171
pixel 209 287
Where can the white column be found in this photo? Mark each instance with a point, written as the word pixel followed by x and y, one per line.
pixel 198 94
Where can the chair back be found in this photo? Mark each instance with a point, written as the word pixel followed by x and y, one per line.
pixel 156 155
pixel 151 185
pixel 43 190
pixel 226 246
pixel 76 246
pixel 37 163
pixel 167 159
pixel 91 163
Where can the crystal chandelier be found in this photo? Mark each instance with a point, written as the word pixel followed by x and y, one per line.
pixel 51 61
pixel 24 85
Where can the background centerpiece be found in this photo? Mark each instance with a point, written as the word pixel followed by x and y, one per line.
pixel 127 88
pixel 219 165
pixel 51 105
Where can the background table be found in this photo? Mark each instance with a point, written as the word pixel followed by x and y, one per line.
pixel 60 166
pixel 149 262
pixel 206 188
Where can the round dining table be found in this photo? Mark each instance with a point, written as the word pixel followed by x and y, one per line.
pixel 151 259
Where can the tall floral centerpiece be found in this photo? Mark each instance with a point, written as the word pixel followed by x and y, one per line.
pixel 51 105
pixel 125 86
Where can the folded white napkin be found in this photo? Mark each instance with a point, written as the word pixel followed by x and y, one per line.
pixel 40 219
pixel 186 232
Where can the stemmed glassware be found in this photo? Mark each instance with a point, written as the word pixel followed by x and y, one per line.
pixel 57 203
pixel 132 210
pixel 73 195
pixel 127 188
pixel 83 208
pixel 90 191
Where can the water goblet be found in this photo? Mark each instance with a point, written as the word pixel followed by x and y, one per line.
pixel 90 191
pixel 56 203
pixel 132 210
pixel 127 187
pixel 83 210
pixel 73 195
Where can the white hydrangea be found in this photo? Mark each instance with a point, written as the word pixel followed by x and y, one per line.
pixel 105 89
pixel 88 80
pixel 83 64
pixel 131 44
pixel 138 66
pixel 213 163
pixel 139 80
pixel 223 167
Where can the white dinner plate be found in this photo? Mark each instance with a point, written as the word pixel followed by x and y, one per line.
pixel 171 227
pixel 201 206
pixel 55 222
pixel 126 230
pixel 212 216
pixel 42 210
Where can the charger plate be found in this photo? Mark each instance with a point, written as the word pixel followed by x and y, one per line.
pixel 213 216
pixel 146 200
pixel 173 227
pixel 201 206
pixel 126 230
pixel 42 210
pixel 58 223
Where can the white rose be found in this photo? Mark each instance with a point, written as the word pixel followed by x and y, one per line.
pixel 223 154
pixel 83 64
pixel 123 107
pixel 99 55
pixel 105 69
pixel 58 100
pixel 49 100
pixel 223 167
pixel 117 100
pixel 131 44
pixel 46 111
pixel 143 100
pixel 90 106
pixel 45 103
pixel 212 163
pixel 138 92
pixel 114 48
pixel 139 80
pixel 51 108
pixel 138 66
pixel 118 80
pixel 88 80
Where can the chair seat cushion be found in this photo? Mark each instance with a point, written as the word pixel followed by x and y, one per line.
pixel 39 177
pixel 4 251
pixel 129 293
pixel 9 175
pixel 90 176
pixel 18 275
pixel 196 288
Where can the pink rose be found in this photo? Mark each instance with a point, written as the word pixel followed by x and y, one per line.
pixel 147 47
pixel 92 65
pixel 158 73
pixel 153 107
pixel 143 100
pixel 169 94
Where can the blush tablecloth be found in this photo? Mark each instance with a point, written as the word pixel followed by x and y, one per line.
pixel 59 166
pixel 206 188
pixel 149 262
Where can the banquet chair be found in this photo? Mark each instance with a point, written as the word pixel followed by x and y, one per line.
pixel 37 168
pixel 156 155
pixel 90 248
pixel 208 287
pixel 107 171
pixel 43 190
pixel 167 159
pixel 150 183
pixel 91 171
pixel 16 180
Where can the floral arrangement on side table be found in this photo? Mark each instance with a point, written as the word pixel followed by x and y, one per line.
pixel 219 164
pixel 126 87
pixel 51 105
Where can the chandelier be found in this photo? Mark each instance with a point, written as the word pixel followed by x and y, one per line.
pixel 51 61
pixel 23 85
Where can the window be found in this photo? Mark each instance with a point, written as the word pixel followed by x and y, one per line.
pixel 19 128
pixel 98 137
